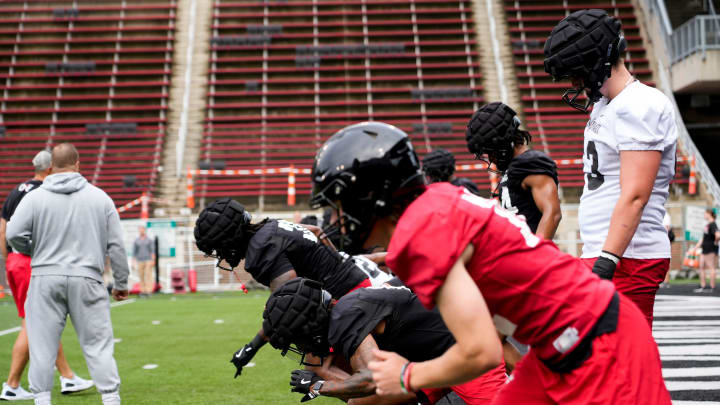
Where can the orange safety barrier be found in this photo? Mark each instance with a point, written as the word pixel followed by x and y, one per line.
pixel 692 259
pixel 291 171
pixel 291 187
pixel 692 184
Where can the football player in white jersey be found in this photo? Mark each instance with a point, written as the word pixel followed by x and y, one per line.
pixel 629 155
pixel 529 183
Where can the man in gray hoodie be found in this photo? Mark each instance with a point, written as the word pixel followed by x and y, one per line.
pixel 68 226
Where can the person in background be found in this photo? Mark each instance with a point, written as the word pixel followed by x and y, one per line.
pixel 144 262
pixel 709 245
pixel 439 165
pixel 68 226
pixel 529 183
pixel 17 267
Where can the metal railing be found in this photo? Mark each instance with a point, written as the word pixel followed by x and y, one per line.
pixel 700 34
pixel 657 10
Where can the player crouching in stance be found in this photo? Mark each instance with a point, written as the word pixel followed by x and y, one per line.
pixel 275 251
pixel 528 186
pixel 301 316
pixel 484 268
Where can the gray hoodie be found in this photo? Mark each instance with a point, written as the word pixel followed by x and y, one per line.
pixel 68 226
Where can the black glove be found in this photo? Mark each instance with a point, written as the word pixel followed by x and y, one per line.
pixel 605 265
pixel 242 357
pixel 302 381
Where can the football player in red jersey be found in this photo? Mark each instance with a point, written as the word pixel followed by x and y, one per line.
pixel 485 270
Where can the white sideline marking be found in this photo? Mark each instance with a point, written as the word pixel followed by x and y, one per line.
pixel 691 385
pixel 692 358
pixel 689 349
pixel 17 328
pixel 156 322
pixel 219 321
pixel 696 403
pixel 150 366
pixel 691 372
pixel 9 331
pixel 119 303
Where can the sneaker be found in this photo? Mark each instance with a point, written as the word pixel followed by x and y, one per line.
pixel 699 290
pixel 14 394
pixel 75 384
pixel 111 398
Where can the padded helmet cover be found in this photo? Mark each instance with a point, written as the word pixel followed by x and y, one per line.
pixel 584 45
pixel 297 313
pixel 439 165
pixel 219 230
pixel 491 131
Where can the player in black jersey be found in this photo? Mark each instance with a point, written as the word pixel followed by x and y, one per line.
pixel 529 184
pixel 276 251
pixel 300 316
pixel 439 165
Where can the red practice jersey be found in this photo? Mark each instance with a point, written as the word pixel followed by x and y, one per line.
pixel 535 293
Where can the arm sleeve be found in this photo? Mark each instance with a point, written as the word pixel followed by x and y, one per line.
pixel 648 126
pixel 19 230
pixel 116 249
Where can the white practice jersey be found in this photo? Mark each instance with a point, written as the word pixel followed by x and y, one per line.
pixel 639 118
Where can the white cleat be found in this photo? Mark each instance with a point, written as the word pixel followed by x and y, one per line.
pixel 75 384
pixel 14 394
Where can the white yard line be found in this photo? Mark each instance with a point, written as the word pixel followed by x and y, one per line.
pixel 9 331
pixel 691 372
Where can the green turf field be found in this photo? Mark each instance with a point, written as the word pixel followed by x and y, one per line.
pixel 190 346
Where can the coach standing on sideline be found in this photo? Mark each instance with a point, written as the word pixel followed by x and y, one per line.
pixel 18 276
pixel 629 155
pixel 68 226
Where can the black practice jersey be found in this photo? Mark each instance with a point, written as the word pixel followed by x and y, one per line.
pixel 467 183
pixel 512 196
pixel 17 194
pixel 410 330
pixel 280 246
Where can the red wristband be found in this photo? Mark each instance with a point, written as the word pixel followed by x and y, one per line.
pixel 406 376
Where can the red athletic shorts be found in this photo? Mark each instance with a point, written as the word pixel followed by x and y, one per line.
pixel 624 368
pixel 481 390
pixel 18 271
pixel 639 280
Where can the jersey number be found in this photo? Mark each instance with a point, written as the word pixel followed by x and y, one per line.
pixel 290 227
pixel 530 239
pixel 595 178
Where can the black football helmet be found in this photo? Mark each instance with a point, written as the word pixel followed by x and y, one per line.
pixel 584 46
pixel 494 130
pixel 438 165
pixel 364 171
pixel 219 231
pixel 296 318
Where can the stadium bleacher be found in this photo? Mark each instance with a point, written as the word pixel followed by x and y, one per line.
pixel 94 74
pixel 286 75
